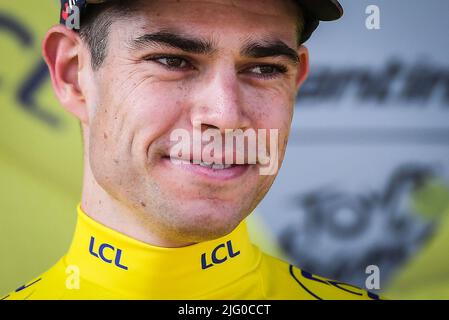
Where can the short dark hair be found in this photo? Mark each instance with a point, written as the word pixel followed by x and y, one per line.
pixel 96 23
pixel 98 19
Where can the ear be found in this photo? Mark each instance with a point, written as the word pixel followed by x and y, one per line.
pixel 61 49
pixel 303 66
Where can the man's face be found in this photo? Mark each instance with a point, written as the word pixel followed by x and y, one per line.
pixel 175 64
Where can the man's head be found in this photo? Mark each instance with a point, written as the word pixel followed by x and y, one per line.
pixel 139 70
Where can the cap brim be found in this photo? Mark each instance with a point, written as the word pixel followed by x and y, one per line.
pixel 323 10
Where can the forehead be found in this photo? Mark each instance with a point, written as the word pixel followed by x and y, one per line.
pixel 221 19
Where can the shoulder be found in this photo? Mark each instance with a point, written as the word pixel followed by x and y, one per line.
pixel 61 282
pixel 25 291
pixel 45 286
pixel 284 281
pixel 57 283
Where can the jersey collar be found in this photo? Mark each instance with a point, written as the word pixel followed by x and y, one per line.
pixel 139 270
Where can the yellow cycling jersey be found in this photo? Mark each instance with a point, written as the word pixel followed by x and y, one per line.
pixel 105 264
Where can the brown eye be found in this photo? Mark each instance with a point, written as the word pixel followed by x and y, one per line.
pixel 173 62
pixel 265 70
pixel 268 71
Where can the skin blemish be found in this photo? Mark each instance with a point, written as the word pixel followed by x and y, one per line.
pixel 152 100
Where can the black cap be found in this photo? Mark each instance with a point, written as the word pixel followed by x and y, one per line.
pixel 314 12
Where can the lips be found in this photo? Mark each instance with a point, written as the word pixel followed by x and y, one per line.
pixel 214 171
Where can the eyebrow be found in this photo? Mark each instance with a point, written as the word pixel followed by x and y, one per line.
pixel 266 49
pixel 251 48
pixel 173 40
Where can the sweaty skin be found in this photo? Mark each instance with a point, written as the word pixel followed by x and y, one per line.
pixel 129 107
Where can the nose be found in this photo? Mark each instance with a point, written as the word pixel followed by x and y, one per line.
pixel 218 102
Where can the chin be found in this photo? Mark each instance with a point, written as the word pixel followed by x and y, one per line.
pixel 207 221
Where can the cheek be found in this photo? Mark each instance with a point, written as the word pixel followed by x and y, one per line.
pixel 125 126
pixel 157 111
pixel 272 109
